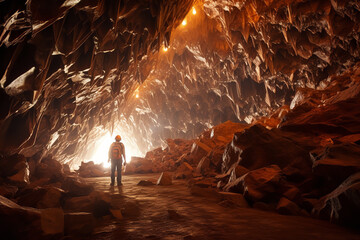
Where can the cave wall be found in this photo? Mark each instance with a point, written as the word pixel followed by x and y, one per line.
pixel 240 60
pixel 71 69
pixel 68 66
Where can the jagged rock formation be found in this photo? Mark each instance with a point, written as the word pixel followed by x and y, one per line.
pixel 238 60
pixel 307 164
pixel 70 69
pixel 67 67
pixel 285 73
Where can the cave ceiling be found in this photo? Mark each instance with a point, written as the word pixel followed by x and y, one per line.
pixel 158 69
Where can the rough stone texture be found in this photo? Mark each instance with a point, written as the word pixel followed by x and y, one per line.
pixel 165 179
pixel 287 207
pixel 72 70
pixel 90 169
pixel 342 205
pixel 41 197
pixel 235 198
pixel 52 221
pixel 76 187
pixel 258 185
pixel 19 222
pixel 8 191
pixel 184 171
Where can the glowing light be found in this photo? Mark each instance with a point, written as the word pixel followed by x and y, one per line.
pixel 137 95
pixel 165 49
pixel 184 22
pixel 193 11
pixel 100 155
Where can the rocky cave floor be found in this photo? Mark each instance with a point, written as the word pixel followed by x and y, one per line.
pixel 172 212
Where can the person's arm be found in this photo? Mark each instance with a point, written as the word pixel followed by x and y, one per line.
pixel 123 153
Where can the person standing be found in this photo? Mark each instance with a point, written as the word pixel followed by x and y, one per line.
pixel 116 155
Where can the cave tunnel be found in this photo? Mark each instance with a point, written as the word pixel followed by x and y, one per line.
pixel 239 119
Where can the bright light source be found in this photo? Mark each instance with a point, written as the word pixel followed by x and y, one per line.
pixel 100 155
pixel 165 49
pixel 137 95
pixel 184 22
pixel 193 11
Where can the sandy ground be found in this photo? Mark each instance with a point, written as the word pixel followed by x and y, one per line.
pixel 147 216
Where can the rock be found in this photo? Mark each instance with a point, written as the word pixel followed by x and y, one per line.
pixel 258 147
pixel 237 199
pixel 204 165
pixel 145 183
pixel 80 204
pixel 49 168
pixel 16 222
pixel 79 223
pixel 336 163
pixel 117 214
pixel 165 179
pixel 41 197
pixel 21 178
pixel 90 169
pixel 205 183
pixel 139 165
pixel 287 207
pixel 96 203
pixel 184 171
pixel 75 187
pixel 293 193
pixel 11 165
pixel 236 171
pixel 52 221
pixel 342 205
pixel 8 191
pixel 258 185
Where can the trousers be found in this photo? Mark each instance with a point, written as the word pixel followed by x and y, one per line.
pixel 116 165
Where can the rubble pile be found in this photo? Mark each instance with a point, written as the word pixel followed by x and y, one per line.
pixel 307 164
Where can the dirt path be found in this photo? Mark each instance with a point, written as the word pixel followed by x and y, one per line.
pixel 200 218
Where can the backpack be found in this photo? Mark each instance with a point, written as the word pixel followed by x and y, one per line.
pixel 116 151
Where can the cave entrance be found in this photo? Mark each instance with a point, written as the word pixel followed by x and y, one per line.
pixel 99 153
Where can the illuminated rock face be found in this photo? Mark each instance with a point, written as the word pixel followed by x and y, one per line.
pixel 70 69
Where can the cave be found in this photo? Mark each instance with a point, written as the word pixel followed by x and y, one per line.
pixel 239 119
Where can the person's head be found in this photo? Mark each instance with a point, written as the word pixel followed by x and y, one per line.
pixel 118 138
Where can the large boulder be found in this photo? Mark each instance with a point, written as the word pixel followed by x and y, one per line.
pixel 76 187
pixel 343 204
pixel 97 203
pixel 22 177
pixel 15 169
pixel 48 168
pixel 264 184
pixel 17 222
pixel 41 197
pixel 258 147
